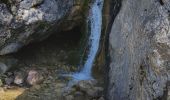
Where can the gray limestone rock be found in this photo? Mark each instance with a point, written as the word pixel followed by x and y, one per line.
pixel 139 48
pixel 25 21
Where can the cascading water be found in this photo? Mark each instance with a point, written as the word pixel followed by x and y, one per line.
pixel 95 20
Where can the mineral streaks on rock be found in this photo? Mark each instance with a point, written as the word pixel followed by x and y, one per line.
pixel 24 21
pixel 139 48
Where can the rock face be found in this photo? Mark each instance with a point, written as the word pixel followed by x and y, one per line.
pixel 24 21
pixel 139 48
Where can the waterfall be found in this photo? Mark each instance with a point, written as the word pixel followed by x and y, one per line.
pixel 95 22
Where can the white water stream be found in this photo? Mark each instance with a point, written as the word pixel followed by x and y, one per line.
pixel 95 20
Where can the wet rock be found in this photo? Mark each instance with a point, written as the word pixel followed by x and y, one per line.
pixel 86 84
pixel 83 85
pixel 87 87
pixel 34 77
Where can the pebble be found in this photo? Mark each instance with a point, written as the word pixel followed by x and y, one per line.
pixel 34 77
pixel 19 78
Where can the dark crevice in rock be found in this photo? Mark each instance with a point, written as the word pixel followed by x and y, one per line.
pixel 114 8
pixel 161 2
pixel 142 74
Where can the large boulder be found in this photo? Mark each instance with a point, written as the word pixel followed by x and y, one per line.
pixel 139 48
pixel 24 21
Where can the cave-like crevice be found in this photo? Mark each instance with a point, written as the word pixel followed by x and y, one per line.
pixel 59 48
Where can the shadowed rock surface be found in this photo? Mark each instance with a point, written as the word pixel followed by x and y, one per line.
pixel 139 48
pixel 24 21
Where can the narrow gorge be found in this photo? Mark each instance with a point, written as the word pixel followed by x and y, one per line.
pixel 84 49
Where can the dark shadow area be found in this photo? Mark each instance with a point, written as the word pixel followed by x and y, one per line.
pixel 59 48
pixel 161 2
